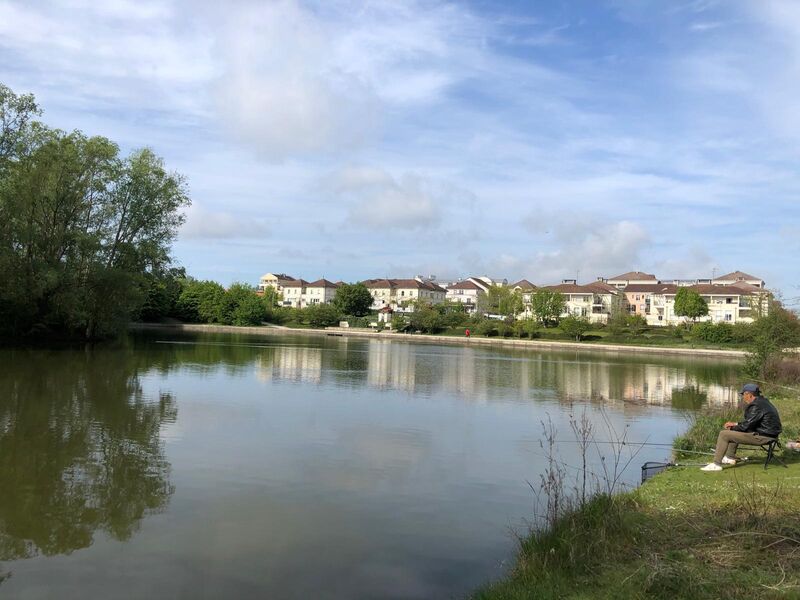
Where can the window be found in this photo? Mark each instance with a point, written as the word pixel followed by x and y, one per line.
pixel 728 300
pixel 728 317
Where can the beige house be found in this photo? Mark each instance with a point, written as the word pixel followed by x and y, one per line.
pixel 526 289
pixel 274 280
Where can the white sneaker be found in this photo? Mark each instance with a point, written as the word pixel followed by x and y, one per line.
pixel 728 461
pixel 711 467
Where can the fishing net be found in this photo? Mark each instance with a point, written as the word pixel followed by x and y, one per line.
pixel 652 468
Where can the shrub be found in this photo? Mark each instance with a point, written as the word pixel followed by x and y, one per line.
pixel 487 327
pixel 505 329
pixel 575 327
pixel 321 315
pixel 636 324
pixel 715 333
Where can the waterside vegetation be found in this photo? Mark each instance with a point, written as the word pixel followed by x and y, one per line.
pixel 684 534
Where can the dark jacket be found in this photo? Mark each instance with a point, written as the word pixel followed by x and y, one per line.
pixel 760 417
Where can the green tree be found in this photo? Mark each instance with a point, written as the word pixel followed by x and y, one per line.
pixel 500 300
pixel 575 327
pixel 163 288
pixel 427 319
pixel 200 301
pixel 83 231
pixel 688 303
pixel 636 324
pixel 242 306
pixel 400 323
pixel 772 333
pixel 353 299
pixel 547 306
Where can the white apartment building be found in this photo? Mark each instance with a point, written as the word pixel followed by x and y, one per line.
pixel 401 294
pixel 726 304
pixel 592 301
pixel 293 294
pixel 320 291
pixel 467 291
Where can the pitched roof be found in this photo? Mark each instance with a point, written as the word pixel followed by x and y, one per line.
pixel 719 290
pixel 651 288
pixel 403 283
pixel 296 283
pixel 602 287
pixel 523 284
pixel 747 287
pixel 634 276
pixel 279 276
pixel 569 288
pixel 322 283
pixel 737 275
pixel 378 283
pixel 466 284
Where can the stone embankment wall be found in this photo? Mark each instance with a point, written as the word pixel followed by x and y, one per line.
pixel 441 339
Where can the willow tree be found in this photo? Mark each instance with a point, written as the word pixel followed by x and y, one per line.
pixel 81 227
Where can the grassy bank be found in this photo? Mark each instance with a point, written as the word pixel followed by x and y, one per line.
pixel 683 534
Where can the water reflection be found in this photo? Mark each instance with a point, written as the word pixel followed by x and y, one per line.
pixel 80 450
pixel 477 374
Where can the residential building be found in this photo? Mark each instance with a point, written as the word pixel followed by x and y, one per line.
pixel 467 291
pixel 726 304
pixel 320 291
pixel 402 294
pixel 633 277
pixel 274 280
pixel 293 294
pixel 578 299
pixel 638 296
pixel 526 289
pixel 739 277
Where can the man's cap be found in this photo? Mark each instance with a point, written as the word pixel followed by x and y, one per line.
pixel 750 387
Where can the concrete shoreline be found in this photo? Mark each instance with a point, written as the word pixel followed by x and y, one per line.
pixel 440 339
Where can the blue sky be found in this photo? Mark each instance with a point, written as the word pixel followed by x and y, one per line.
pixel 515 139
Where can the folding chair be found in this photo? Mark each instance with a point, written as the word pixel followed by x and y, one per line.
pixel 769 448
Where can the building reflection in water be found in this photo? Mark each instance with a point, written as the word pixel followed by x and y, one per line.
pixel 484 374
pixel 290 363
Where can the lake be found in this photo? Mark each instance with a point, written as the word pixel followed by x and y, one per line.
pixel 206 466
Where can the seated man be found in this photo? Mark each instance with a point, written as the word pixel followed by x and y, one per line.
pixel 761 425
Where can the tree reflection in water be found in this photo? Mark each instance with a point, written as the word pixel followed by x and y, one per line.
pixel 80 450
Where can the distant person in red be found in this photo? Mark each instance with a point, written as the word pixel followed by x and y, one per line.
pixel 466 333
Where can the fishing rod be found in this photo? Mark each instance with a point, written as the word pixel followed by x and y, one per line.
pixel 621 443
pixel 786 387
pixel 599 476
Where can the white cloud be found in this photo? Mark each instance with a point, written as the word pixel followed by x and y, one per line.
pixel 378 200
pixel 582 242
pixel 205 224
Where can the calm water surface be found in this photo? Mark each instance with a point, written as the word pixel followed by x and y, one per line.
pixel 293 467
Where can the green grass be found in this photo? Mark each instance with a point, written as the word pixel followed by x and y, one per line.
pixel 684 534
